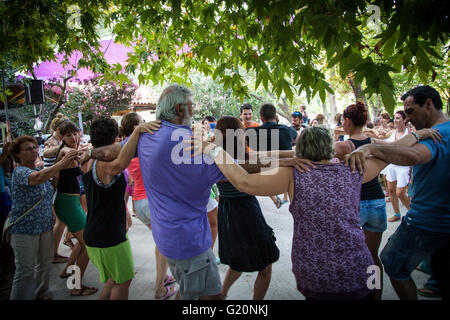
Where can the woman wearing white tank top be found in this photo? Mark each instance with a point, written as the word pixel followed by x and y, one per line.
pixel 397 177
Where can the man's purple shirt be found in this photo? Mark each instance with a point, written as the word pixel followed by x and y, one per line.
pixel 177 192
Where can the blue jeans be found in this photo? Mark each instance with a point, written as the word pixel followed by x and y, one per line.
pixel 372 214
pixel 409 246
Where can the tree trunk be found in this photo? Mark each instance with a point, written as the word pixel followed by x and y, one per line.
pixel 332 102
pixel 358 92
pixel 58 105
pixel 324 110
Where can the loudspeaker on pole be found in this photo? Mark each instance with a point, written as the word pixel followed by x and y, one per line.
pixel 34 92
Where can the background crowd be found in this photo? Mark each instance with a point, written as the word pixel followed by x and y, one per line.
pixel 339 214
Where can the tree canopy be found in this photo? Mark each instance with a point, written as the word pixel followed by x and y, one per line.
pixel 281 41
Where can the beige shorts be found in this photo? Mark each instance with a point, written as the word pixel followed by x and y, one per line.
pixel 197 276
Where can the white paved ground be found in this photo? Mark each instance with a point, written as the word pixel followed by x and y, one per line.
pixel 282 286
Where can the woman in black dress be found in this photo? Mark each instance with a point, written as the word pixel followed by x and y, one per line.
pixel 246 242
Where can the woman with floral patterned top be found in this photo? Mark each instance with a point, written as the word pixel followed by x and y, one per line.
pixel 32 236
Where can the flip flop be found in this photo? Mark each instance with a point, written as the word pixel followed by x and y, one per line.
pixel 169 280
pixel 284 201
pixel 84 291
pixel 170 292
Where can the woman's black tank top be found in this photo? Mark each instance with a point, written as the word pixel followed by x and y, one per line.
pixel 370 190
pixel 68 181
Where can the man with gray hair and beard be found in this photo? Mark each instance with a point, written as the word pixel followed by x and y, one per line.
pixel 178 188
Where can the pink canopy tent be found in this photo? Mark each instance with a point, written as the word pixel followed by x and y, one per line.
pixel 113 52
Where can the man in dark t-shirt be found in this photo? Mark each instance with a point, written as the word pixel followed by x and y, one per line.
pixel 270 136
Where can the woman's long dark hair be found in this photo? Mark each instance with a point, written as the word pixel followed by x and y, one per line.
pixel 233 123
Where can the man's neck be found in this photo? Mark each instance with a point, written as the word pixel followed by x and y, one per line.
pixel 438 118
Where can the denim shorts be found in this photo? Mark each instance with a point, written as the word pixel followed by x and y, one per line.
pixel 197 276
pixel 372 214
pixel 142 210
pixel 408 247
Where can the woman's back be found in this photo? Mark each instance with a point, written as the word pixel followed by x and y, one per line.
pixel 106 217
pixel 329 254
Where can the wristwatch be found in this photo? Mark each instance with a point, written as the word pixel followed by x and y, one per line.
pixel 215 151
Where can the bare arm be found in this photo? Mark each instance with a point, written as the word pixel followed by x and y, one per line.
pixel 301 164
pixel 50 148
pixel 403 152
pixel 46 174
pixel 401 155
pixel 111 152
pixel 406 151
pixel 276 154
pixel 107 153
pixel 272 182
pixel 126 154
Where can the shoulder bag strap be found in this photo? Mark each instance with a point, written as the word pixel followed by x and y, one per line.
pixel 27 212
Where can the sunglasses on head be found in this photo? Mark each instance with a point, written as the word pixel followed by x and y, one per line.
pixel 296 114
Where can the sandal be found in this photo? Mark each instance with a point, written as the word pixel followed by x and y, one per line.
pixel 395 217
pixel 170 292
pixel 59 259
pixel 84 291
pixel 284 201
pixel 65 274
pixel 427 291
pixel 169 280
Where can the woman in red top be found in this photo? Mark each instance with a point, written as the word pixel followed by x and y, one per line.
pixel 163 280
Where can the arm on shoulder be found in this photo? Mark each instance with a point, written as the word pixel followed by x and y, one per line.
pixel 373 166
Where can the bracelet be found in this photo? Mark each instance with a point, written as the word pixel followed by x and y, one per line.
pixel 415 135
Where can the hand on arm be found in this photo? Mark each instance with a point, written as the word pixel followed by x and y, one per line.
pixel 404 152
pixel 111 152
pixel 50 152
pixel 105 153
pixel 44 175
pixel 271 182
pixel 129 150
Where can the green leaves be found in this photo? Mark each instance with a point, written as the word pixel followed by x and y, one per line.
pixel 289 45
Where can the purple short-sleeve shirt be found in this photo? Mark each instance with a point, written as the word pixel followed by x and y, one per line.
pixel 178 188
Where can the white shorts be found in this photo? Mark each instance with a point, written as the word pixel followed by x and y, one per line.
pixel 212 204
pixel 399 174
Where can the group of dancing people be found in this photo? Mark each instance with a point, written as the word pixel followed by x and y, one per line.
pixel 332 186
